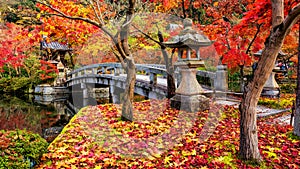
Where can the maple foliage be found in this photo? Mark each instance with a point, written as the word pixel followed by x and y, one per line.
pixel 104 142
pixel 73 33
pixel 239 38
pixel 12 47
pixel 49 71
pixel 203 12
pixel 19 66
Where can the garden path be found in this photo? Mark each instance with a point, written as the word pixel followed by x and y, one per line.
pixel 262 111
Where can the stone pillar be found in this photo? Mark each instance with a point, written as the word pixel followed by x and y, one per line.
pixel 85 94
pixel 94 70
pixel 115 94
pixel 221 80
pixel 116 71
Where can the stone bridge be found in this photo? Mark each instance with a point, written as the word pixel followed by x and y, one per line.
pixel 151 79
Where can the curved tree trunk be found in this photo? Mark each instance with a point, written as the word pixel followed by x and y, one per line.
pixel 248 127
pixel 127 114
pixel 248 124
pixel 120 40
pixel 296 130
pixel 127 109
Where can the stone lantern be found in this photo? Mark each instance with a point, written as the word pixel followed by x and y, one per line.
pixel 188 95
pixel 271 87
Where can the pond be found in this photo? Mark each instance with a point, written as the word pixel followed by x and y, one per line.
pixel 46 118
pixel 24 112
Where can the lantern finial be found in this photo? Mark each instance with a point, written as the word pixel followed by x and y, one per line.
pixel 187 23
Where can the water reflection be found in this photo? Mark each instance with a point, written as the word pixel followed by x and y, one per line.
pixel 24 112
pixel 45 115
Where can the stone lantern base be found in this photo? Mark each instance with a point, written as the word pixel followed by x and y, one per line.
pixel 271 88
pixel 271 92
pixel 193 103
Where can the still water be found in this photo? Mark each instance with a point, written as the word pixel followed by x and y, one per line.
pixel 46 117
pixel 25 112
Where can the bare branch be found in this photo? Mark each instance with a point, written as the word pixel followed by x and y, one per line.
pixel 128 22
pixel 118 44
pixel 119 58
pixel 96 13
pixel 90 21
pixel 147 36
pixel 255 36
pixel 100 13
pixel 291 19
pixel 227 41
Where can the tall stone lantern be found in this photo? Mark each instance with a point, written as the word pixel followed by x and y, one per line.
pixel 188 95
pixel 271 87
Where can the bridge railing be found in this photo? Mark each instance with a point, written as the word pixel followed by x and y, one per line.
pixel 218 80
pixel 116 69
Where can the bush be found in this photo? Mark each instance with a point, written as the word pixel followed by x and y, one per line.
pixel 234 82
pixel 21 149
pixel 288 88
pixel 283 103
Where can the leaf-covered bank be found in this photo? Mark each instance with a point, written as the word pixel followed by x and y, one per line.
pixel 97 138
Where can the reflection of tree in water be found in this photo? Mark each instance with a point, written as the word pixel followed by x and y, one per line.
pixel 16 113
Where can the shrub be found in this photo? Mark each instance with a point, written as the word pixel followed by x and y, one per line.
pixel 21 149
pixel 234 81
pixel 284 102
pixel 288 88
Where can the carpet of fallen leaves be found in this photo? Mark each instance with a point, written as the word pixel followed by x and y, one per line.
pixel 160 137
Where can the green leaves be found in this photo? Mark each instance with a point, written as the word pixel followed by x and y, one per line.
pixel 20 149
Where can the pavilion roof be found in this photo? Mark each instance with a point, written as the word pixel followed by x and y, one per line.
pixel 55 46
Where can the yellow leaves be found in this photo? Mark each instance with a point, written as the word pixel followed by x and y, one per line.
pixel 44 33
pixel 215 4
pixel 167 160
pixel 194 152
pixel 73 160
pixel 189 153
pixel 203 148
pixel 98 167
pixel 270 154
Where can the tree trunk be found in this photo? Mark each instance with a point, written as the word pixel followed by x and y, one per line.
pixel 127 109
pixel 171 88
pixel 127 114
pixel 171 82
pixel 297 106
pixel 248 125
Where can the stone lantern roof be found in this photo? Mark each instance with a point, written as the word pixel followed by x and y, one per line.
pixel 188 37
pixel 280 54
pixel 259 53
